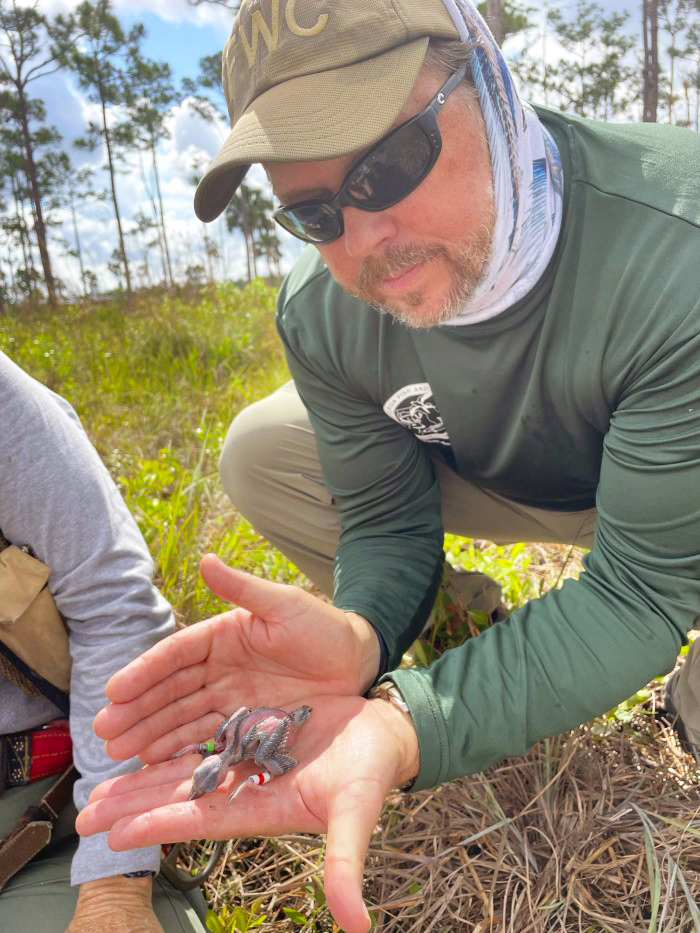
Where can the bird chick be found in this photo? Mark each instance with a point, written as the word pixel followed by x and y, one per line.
pixel 209 774
pixel 264 734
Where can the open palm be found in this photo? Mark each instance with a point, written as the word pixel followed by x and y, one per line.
pixel 284 645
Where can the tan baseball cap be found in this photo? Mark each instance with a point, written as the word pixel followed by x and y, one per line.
pixel 315 79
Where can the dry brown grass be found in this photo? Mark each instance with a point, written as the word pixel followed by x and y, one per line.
pixel 585 833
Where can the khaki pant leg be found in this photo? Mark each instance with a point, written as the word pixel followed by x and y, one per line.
pixel 686 694
pixel 270 469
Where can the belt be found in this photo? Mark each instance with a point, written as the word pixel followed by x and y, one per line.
pixel 33 831
pixel 30 756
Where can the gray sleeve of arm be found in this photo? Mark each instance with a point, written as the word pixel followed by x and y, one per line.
pixel 57 497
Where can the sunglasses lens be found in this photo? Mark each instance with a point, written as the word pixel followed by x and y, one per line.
pixel 314 222
pixel 387 174
pixel 392 170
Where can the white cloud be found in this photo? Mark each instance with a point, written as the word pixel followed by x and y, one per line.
pixel 189 131
pixel 177 11
pixel 174 11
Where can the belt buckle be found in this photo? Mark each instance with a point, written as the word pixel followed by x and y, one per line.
pixel 18 748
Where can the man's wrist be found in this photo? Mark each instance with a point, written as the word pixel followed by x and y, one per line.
pixel 393 704
pixel 120 885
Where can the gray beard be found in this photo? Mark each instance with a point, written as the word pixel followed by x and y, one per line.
pixel 467 265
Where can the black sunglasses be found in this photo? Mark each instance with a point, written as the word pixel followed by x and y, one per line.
pixel 390 171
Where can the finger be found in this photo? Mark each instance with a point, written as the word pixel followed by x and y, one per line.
pixel 352 816
pixel 199 731
pixel 187 709
pixel 117 718
pixel 189 646
pixel 213 817
pixel 270 601
pixel 165 772
pixel 102 812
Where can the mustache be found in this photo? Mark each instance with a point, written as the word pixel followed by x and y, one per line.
pixel 395 261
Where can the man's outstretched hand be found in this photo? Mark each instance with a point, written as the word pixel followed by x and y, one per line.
pixel 352 751
pixel 282 644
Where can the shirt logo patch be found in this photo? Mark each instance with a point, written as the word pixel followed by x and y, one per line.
pixel 414 408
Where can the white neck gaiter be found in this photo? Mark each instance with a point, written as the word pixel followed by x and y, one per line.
pixel 527 178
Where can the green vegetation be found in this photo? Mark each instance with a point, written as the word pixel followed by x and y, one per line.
pixel 156 388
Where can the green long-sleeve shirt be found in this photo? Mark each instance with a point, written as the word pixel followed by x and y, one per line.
pixel 587 392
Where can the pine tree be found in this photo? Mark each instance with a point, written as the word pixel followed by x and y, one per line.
pixel 675 16
pixel 149 95
pixel 505 17
pixel 594 79
pixel 99 63
pixel 650 30
pixel 206 92
pixel 250 212
pixel 26 57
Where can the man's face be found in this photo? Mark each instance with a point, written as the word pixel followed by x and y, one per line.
pixel 421 259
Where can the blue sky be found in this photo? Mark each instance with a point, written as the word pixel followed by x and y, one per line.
pixel 179 34
pixel 180 44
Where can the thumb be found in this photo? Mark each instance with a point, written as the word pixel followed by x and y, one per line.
pixel 352 817
pixel 261 597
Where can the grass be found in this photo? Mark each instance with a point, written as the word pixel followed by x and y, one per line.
pixel 592 832
pixel 156 388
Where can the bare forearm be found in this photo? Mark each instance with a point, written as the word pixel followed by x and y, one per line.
pixel 116 903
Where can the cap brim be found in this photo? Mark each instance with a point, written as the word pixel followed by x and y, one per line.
pixel 314 117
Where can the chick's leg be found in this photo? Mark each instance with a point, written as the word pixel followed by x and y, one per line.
pixel 271 753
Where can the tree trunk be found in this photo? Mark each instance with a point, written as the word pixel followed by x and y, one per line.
pixel 22 230
pixel 674 27
pixel 110 163
pixel 245 229
pixel 171 282
pixel 251 235
pixel 651 60
pixel 207 253
pixel 10 266
pixel 156 218
pixel 39 225
pixel 78 247
pixel 494 17
pixel 248 250
pixel 545 31
pixel 222 249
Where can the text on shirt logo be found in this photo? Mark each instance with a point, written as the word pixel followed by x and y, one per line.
pixel 414 408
